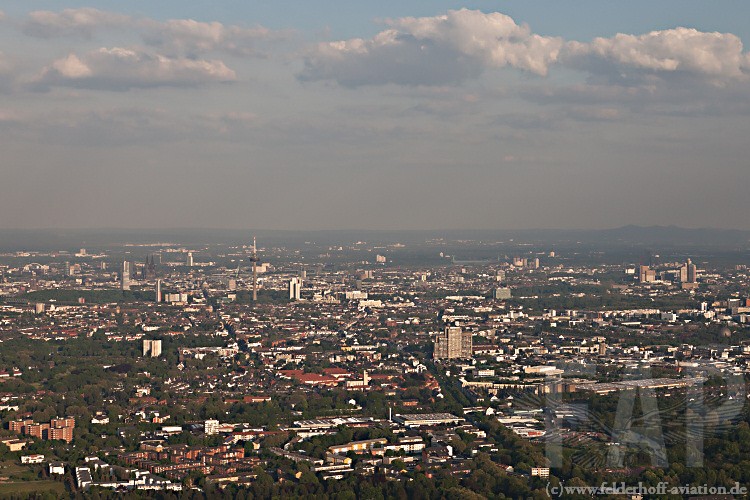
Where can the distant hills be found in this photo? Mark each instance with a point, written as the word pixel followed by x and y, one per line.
pixel 673 235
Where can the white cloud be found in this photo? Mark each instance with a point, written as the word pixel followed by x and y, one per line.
pixel 433 51
pixel 122 69
pixel 176 36
pixel 72 22
pixel 494 38
pixel 462 44
pixel 681 50
pixel 187 36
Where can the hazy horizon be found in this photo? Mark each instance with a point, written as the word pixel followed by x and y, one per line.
pixel 371 229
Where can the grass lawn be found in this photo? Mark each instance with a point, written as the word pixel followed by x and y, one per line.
pixel 31 487
pixel 11 468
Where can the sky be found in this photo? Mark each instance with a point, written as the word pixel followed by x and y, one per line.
pixel 374 115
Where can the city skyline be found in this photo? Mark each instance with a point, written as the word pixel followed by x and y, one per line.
pixel 431 115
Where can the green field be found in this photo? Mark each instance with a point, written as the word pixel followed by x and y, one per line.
pixel 32 487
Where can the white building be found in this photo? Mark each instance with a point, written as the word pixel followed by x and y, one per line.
pixel 56 468
pixel 211 427
pixel 295 287
pixel 125 276
pixel 152 348
pixel 32 459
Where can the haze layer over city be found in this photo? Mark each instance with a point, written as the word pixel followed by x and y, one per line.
pixel 372 250
pixel 374 115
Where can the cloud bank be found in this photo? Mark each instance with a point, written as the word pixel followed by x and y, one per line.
pixel 122 69
pixel 185 37
pixel 433 51
pixel 72 22
pixel 717 56
pixel 462 44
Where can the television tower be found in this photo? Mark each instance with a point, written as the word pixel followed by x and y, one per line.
pixel 254 260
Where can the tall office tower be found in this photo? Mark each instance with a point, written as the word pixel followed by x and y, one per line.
pixel 453 343
pixel 152 348
pixel 692 272
pixel 646 274
pixel 125 276
pixel 189 259
pixel 295 286
pixel 158 291
pixel 535 263
pixel 688 272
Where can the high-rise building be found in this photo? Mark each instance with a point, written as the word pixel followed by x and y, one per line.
pixel 295 287
pixel 189 259
pixel 688 272
pixel 254 260
pixel 125 276
pixel 453 343
pixel 692 273
pixel 59 423
pixel 646 274
pixel 62 433
pixel 37 430
pixel 158 291
pixel 152 348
